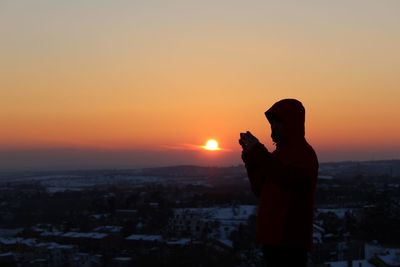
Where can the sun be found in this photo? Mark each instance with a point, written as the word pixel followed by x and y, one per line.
pixel 212 144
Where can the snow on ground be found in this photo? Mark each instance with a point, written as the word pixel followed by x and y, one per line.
pixel 61 184
pixel 232 214
pixel 145 237
pixel 228 217
pixel 340 212
pixel 391 257
pixel 180 242
pixel 30 242
pixel 89 235
pixel 354 263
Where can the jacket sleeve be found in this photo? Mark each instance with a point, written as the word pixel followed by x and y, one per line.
pixel 254 160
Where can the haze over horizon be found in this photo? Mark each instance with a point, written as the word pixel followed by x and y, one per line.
pixel 100 84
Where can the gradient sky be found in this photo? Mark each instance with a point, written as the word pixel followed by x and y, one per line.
pixel 141 83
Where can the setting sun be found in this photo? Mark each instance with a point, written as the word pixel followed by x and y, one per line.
pixel 211 144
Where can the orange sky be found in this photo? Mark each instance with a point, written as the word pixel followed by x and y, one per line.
pixel 156 76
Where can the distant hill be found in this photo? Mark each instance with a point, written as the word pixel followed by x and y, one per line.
pixel 328 169
pixel 364 168
pixel 194 171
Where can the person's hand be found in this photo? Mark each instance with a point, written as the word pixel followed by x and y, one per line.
pixel 247 140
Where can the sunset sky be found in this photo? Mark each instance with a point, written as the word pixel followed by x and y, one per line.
pixel 104 84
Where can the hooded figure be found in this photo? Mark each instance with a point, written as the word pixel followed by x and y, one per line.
pixel 284 182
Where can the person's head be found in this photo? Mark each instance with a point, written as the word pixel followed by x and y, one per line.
pixel 287 118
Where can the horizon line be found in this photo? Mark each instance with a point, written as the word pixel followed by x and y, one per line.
pixel 66 169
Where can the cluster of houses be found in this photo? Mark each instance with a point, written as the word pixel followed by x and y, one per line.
pixel 374 255
pixel 43 245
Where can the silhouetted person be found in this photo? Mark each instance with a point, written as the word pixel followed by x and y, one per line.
pixel 284 182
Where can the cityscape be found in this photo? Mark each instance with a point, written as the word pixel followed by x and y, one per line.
pixel 189 216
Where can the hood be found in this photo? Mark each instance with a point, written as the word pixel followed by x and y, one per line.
pixel 292 115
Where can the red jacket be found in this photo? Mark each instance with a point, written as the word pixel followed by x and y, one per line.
pixel 284 181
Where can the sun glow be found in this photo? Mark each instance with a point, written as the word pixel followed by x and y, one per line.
pixel 212 144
